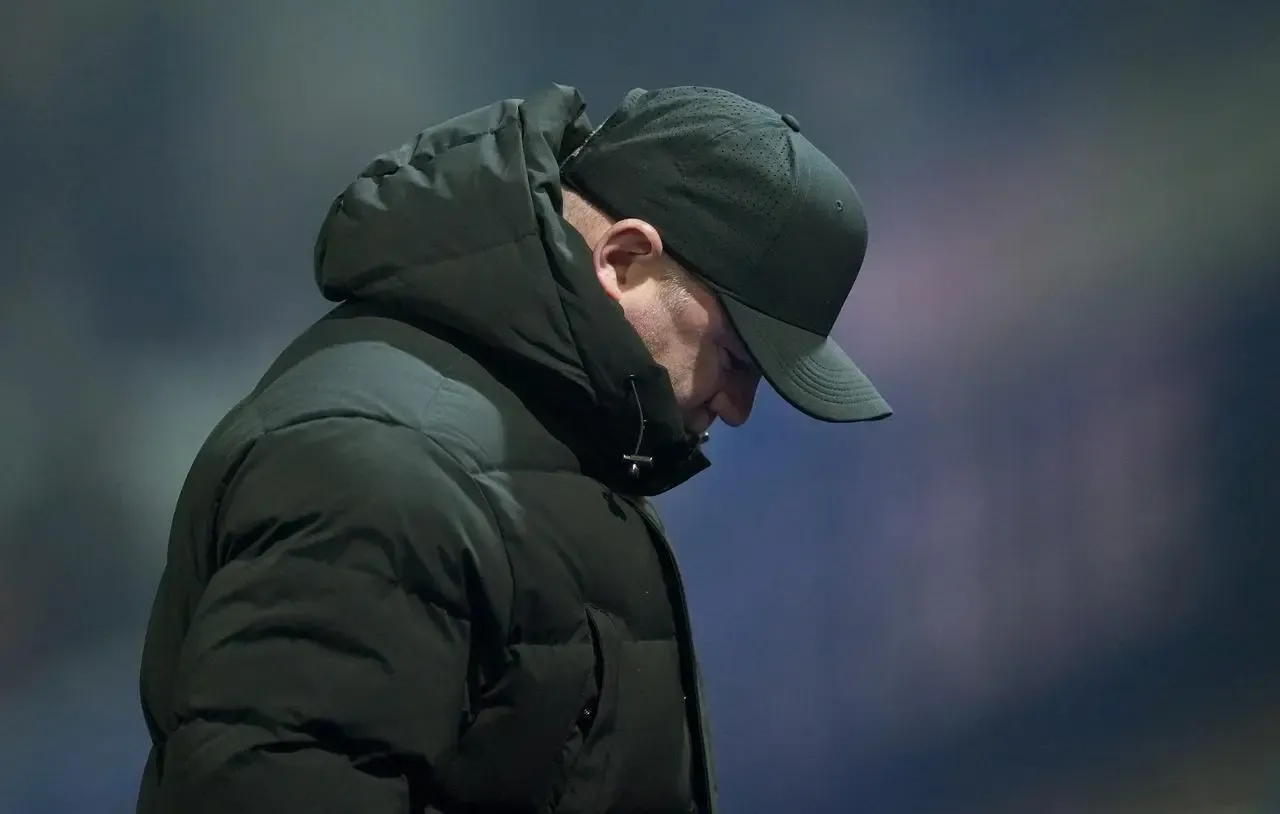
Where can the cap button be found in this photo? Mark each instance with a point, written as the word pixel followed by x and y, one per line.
pixel 790 121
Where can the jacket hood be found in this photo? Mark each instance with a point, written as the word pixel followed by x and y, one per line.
pixel 461 229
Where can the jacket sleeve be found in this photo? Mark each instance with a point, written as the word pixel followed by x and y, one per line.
pixel 325 668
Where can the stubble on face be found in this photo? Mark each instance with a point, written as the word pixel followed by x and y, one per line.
pixel 676 326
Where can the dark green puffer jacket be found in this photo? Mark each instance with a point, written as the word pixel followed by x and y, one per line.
pixel 415 569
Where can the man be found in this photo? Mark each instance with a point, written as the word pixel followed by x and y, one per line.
pixel 416 569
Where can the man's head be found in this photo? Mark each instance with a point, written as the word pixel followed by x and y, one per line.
pixel 679 319
pixel 704 187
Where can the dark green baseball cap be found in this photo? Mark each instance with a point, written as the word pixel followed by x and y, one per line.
pixel 763 218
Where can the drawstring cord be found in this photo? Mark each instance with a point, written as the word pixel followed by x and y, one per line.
pixel 635 458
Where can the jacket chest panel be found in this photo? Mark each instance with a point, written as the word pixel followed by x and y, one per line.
pixel 573 543
pixel 589 709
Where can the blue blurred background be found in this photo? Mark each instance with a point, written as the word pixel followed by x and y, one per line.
pixel 1049 584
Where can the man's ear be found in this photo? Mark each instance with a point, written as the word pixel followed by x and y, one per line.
pixel 626 254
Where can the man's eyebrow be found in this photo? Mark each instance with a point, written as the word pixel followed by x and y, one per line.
pixel 741 358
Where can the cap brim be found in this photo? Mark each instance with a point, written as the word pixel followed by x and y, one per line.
pixel 811 372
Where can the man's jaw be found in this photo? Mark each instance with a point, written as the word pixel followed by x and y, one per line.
pixel 700 421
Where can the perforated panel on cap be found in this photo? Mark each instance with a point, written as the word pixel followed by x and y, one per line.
pixel 743 194
pixel 743 174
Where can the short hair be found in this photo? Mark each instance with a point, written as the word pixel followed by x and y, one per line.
pixel 586 217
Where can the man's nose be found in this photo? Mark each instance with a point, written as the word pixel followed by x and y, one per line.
pixel 736 398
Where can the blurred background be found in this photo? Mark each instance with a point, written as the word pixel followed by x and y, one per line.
pixel 1048 584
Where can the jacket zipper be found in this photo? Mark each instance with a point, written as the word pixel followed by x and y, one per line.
pixel 695 709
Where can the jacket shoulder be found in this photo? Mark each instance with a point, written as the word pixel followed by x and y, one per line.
pixel 419 382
